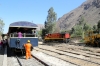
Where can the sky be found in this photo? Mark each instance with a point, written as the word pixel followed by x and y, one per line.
pixel 33 10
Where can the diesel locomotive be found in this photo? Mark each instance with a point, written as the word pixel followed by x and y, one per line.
pixel 57 37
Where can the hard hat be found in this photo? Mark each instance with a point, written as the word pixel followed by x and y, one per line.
pixel 28 41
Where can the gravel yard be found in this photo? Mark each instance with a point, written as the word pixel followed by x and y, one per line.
pixel 12 61
pixel 52 61
pixel 29 62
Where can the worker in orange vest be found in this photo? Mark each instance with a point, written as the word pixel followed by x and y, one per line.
pixel 28 47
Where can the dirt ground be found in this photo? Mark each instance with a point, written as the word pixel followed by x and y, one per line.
pixel 74 47
pixel 77 46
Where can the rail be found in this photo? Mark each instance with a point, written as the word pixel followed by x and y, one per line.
pixel 40 61
pixel 19 61
pixel 85 60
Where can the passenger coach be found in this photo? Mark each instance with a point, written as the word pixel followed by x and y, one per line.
pixel 29 32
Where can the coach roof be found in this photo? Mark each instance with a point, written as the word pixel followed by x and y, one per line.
pixel 23 24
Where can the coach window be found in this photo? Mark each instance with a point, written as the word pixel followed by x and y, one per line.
pixel 34 32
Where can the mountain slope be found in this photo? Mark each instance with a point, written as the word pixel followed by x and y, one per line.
pixel 89 10
pixel 40 26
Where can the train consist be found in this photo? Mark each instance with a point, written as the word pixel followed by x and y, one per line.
pixel 57 37
pixel 29 32
pixel 92 38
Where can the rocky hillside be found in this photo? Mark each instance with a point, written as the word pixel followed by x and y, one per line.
pixel 89 10
pixel 40 26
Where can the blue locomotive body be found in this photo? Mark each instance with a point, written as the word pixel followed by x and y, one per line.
pixel 29 32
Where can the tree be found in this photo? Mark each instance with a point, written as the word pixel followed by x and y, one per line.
pixel 98 25
pixel 80 28
pixel 1 26
pixel 72 30
pixel 44 32
pixel 86 27
pixel 94 27
pixel 81 20
pixel 51 19
pixel 45 24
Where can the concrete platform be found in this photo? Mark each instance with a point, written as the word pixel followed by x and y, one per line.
pixel 3 57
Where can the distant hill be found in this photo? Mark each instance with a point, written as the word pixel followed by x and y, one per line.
pixel 40 26
pixel 90 10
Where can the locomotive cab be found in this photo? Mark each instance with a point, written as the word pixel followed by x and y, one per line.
pixel 67 37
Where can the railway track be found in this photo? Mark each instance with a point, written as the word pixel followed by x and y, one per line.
pixel 68 56
pixel 80 53
pixel 34 61
pixel 17 59
pixel 20 64
pixel 45 64
pixel 80 48
pixel 21 61
pixel 84 50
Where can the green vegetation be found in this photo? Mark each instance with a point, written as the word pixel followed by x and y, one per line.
pixel 40 32
pixel 50 22
pixel 1 26
pixel 82 40
pixel 79 29
pixel 98 26
pixel 94 27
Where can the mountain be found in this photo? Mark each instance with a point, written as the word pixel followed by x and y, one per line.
pixel 40 26
pixel 89 10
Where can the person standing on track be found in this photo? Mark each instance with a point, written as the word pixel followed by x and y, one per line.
pixel 28 46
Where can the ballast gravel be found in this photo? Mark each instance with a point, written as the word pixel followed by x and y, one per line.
pixel 51 61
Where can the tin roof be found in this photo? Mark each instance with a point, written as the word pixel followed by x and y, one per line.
pixel 23 24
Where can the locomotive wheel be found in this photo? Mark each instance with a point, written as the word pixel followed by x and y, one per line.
pixel 98 44
pixel 44 41
pixel 67 40
pixel 94 45
pixel 88 44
